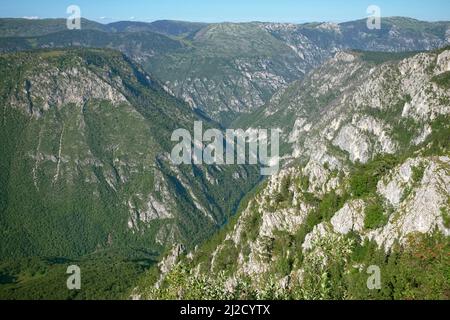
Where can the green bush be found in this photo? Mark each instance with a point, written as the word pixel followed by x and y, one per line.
pixel 446 214
pixel 365 177
pixel 442 79
pixel 226 258
pixel 375 216
pixel 417 173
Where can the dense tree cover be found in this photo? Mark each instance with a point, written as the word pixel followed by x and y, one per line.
pixel 418 270
pixel 106 274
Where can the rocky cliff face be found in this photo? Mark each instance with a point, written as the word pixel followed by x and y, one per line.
pixel 359 106
pixel 369 172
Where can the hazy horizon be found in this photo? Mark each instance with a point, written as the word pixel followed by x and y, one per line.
pixel 235 11
pixel 224 21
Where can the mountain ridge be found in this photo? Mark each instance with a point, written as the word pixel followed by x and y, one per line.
pixel 225 74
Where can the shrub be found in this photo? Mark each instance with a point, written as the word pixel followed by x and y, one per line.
pixel 365 177
pixel 442 80
pixel 375 216
pixel 446 215
pixel 418 172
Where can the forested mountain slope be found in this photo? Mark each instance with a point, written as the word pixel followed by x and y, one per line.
pixel 85 144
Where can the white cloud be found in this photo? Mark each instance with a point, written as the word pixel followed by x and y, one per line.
pixel 31 17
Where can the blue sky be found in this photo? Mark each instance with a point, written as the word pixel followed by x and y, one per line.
pixel 227 10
